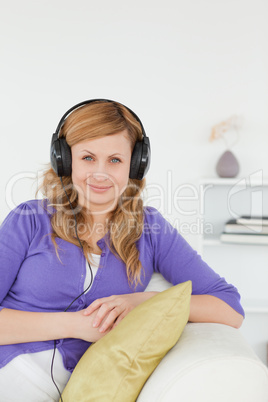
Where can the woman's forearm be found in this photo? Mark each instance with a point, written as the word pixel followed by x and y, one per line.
pixel 207 308
pixel 23 326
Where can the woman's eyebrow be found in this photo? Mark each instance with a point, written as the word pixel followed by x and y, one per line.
pixel 91 153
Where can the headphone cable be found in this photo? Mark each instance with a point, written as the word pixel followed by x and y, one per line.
pixel 54 350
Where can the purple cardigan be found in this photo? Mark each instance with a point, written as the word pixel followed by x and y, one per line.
pixel 33 279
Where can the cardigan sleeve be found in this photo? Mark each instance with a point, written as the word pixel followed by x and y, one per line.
pixel 16 233
pixel 178 262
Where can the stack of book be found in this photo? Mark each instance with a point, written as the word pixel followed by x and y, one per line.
pixel 247 230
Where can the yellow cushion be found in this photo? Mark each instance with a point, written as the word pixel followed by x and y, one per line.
pixel 116 367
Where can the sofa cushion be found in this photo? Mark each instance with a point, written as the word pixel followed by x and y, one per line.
pixel 116 367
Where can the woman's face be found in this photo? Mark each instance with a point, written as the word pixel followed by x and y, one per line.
pixel 100 171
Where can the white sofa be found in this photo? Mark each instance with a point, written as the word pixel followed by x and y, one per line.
pixel 209 363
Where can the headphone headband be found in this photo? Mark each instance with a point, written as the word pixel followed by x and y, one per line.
pixel 87 102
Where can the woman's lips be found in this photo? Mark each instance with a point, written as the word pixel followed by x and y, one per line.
pixel 99 189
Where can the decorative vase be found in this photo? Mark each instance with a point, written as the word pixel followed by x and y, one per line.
pixel 227 165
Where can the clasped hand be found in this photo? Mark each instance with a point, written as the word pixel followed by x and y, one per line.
pixel 115 308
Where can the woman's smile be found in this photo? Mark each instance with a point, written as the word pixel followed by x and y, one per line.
pixel 99 189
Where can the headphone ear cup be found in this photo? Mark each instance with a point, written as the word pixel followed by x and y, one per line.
pixel 135 161
pixel 66 157
pixel 140 159
pixel 54 154
pixel 60 156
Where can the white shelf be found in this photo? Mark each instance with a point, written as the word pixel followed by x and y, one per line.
pixel 241 264
pixel 240 181
pixel 216 242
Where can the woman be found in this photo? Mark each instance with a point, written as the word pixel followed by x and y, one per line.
pixel 91 222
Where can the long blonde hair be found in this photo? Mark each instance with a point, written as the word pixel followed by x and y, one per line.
pixel 91 121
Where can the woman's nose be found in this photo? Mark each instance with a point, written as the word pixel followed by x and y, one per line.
pixel 99 173
pixel 100 176
pixel 99 167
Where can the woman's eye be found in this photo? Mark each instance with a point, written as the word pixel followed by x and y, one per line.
pixel 88 158
pixel 115 160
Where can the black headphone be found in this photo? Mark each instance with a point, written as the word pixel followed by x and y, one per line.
pixel 61 157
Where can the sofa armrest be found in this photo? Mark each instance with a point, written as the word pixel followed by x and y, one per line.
pixel 210 362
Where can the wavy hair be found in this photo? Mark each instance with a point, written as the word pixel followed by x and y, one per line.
pixel 88 122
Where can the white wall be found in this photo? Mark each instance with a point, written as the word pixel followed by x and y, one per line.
pixel 182 66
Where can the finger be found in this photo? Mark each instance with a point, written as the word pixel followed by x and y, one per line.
pixel 115 324
pixel 101 314
pixel 94 306
pixel 104 309
pixel 97 303
pixel 119 319
pixel 109 321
